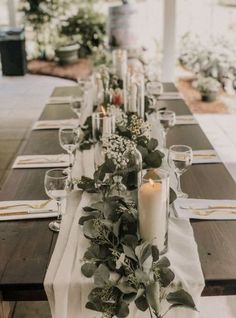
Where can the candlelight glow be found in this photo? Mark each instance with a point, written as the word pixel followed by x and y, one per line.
pixel 103 111
pixel 151 182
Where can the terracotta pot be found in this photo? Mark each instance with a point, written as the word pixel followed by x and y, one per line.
pixel 67 54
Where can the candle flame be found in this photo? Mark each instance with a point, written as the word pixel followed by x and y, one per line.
pixel 103 110
pixel 151 182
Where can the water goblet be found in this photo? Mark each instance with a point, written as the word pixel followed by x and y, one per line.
pixel 167 120
pixel 77 104
pixel 69 139
pixel 56 187
pixel 182 157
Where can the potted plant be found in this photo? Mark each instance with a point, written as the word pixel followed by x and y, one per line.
pixel 67 50
pixel 209 88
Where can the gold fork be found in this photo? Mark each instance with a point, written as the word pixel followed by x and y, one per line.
pixel 32 206
pixel 209 212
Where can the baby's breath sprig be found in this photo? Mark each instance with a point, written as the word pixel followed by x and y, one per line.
pixel 114 148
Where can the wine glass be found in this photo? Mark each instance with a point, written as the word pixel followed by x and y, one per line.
pixel 84 83
pixel 182 158
pixel 154 89
pixel 69 138
pixel 56 187
pixel 167 120
pixel 77 104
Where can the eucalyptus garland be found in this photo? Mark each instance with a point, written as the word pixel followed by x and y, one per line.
pixel 126 270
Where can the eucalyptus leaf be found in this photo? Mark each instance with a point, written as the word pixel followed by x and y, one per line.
pixel 88 209
pixel 92 306
pixel 143 251
pixel 88 217
pixel 181 297
pixel 154 159
pixel 101 275
pixel 152 144
pixel 155 253
pixel 141 276
pixel 130 240
pixel 166 276
pixel 163 262
pixel 153 296
pixel 172 196
pixel 143 151
pixel 90 230
pixel 126 288
pixel 123 310
pixel 88 269
pixel 141 303
pixel 129 252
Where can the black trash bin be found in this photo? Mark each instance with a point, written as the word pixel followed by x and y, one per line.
pixel 12 50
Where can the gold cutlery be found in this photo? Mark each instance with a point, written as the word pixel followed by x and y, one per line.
pixel 32 206
pixel 41 162
pixel 209 212
pixel 209 207
pixel 25 212
pixel 204 155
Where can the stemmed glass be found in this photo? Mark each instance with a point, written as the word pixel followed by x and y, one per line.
pixel 56 187
pixel 77 105
pixel 154 89
pixel 69 139
pixel 167 119
pixel 182 158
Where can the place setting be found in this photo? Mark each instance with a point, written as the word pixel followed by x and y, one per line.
pixel 30 209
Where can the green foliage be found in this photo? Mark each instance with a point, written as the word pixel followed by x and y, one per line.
pixel 90 25
pixel 63 26
pixel 125 268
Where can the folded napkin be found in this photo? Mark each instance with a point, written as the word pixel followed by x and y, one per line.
pixel 41 161
pixel 185 120
pixel 22 210
pixel 205 156
pixel 170 96
pixel 59 100
pixel 54 124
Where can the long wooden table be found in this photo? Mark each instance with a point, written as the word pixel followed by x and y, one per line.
pixel 26 246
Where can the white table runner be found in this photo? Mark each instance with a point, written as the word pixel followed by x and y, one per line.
pixel 67 289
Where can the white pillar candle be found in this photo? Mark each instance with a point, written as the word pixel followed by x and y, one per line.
pixel 152 213
pixel 132 105
pixel 106 126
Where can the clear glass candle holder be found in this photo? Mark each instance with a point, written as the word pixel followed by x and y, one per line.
pixel 153 208
pixel 103 125
pixel 135 93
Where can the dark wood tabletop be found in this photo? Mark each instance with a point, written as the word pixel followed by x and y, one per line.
pixel 26 246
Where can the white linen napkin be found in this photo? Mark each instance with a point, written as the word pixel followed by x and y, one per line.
pixel 205 156
pixel 205 209
pixel 170 96
pixel 59 100
pixel 54 124
pixel 41 161
pixel 23 210
pixel 185 120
